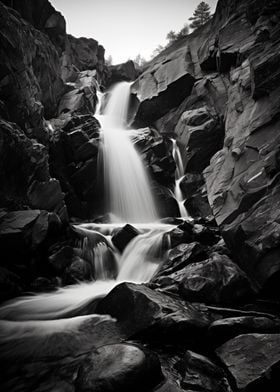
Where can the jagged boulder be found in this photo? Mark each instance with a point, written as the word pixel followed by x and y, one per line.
pixel 252 360
pixel 141 311
pixel 200 373
pixel 215 280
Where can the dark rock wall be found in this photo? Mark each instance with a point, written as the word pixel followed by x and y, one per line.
pixel 29 70
pixel 76 54
pixel 228 113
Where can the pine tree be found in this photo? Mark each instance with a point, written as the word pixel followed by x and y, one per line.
pixel 201 15
pixel 171 37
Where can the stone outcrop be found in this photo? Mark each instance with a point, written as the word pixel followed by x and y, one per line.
pixel 30 74
pixel 120 72
pixel 228 113
pixel 82 54
pixel 75 54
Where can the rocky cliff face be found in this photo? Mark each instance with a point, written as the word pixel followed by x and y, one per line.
pixel 218 92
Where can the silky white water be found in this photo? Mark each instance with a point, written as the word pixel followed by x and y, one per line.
pixel 129 200
pixel 179 174
pixel 126 181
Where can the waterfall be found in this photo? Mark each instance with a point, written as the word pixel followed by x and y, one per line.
pixel 179 174
pixel 126 182
pixel 138 263
pixel 130 200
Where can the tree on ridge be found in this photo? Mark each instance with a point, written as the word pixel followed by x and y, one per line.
pixel 201 15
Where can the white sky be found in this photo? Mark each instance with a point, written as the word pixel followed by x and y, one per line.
pixel 127 28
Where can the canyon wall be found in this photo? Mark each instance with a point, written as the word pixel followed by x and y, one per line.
pixel 217 91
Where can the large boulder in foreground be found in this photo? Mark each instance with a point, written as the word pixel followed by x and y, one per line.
pixel 253 361
pixel 119 368
pixel 141 311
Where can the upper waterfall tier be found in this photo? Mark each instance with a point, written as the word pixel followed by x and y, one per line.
pixel 127 187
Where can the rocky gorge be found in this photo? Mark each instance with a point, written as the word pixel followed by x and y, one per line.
pixel 198 308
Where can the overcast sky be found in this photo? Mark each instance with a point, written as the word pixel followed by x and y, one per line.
pixel 126 27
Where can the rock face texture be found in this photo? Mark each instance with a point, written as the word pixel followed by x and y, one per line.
pixel 208 319
pixel 117 73
pixel 30 74
pixel 75 54
pixel 220 87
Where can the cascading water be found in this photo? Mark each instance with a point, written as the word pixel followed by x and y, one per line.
pixel 179 174
pixel 130 200
pixel 126 182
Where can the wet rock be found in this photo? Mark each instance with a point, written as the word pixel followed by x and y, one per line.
pixel 48 196
pixel 166 203
pixel 82 98
pixel 195 194
pixel 78 271
pixel 202 135
pixel 190 183
pixel 216 280
pixel 221 331
pixel 206 235
pixel 141 311
pixel 201 374
pixel 172 272
pixel 158 157
pixel 198 206
pixel 124 236
pixel 180 256
pixel 62 258
pixel 252 360
pixel 177 236
pixel 73 159
pixel 119 367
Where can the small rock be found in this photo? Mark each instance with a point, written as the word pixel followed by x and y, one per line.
pixel 124 236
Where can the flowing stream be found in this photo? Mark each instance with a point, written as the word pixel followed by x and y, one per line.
pixel 179 174
pixel 129 200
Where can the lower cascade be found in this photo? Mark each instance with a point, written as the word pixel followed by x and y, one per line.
pixel 129 200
